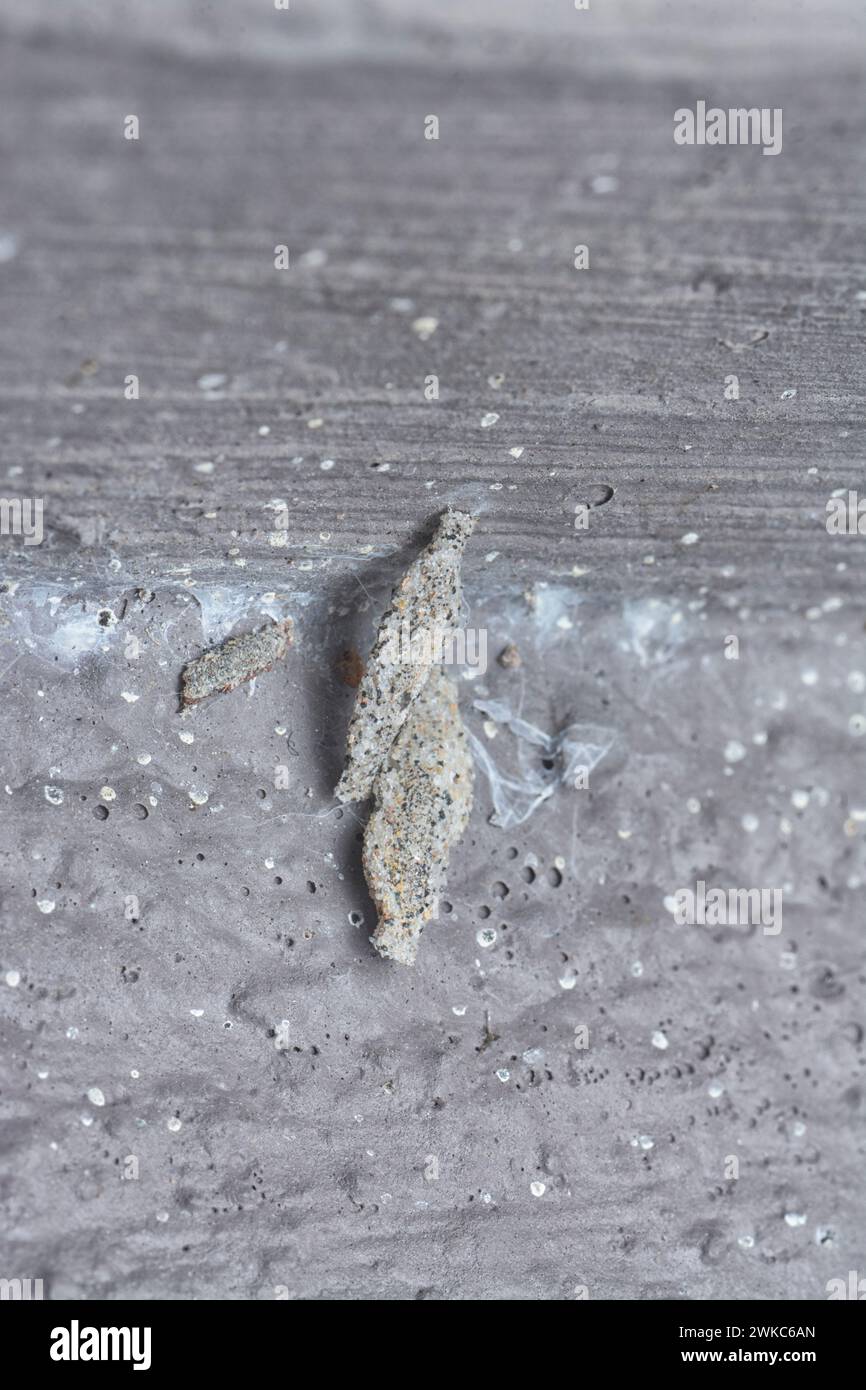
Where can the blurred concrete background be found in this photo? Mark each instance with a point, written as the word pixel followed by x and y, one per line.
pixel 212 1087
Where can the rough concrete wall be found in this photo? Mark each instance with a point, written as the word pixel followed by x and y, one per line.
pixel 549 1101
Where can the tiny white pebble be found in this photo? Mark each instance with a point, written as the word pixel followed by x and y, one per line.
pixel 425 326
pixel 144 759
pixel 13 979
pixel 503 1074
pixel 46 905
pixel 795 1218
pixel 734 751
pixel 659 1040
pixel 95 1096
pixel 107 793
pixel 537 1189
pixel 690 538
pixel 489 419
pixel 326 465
pixel 186 737
pixel 516 451
pixel 53 795
pixel 809 677
pixel 750 823
pixel 800 799
pixel 174 1124
pixel 486 937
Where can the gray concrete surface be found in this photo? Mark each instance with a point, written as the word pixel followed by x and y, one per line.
pixel 212 1087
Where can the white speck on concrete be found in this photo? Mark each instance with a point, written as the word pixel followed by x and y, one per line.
pixel 211 381
pixel 734 751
